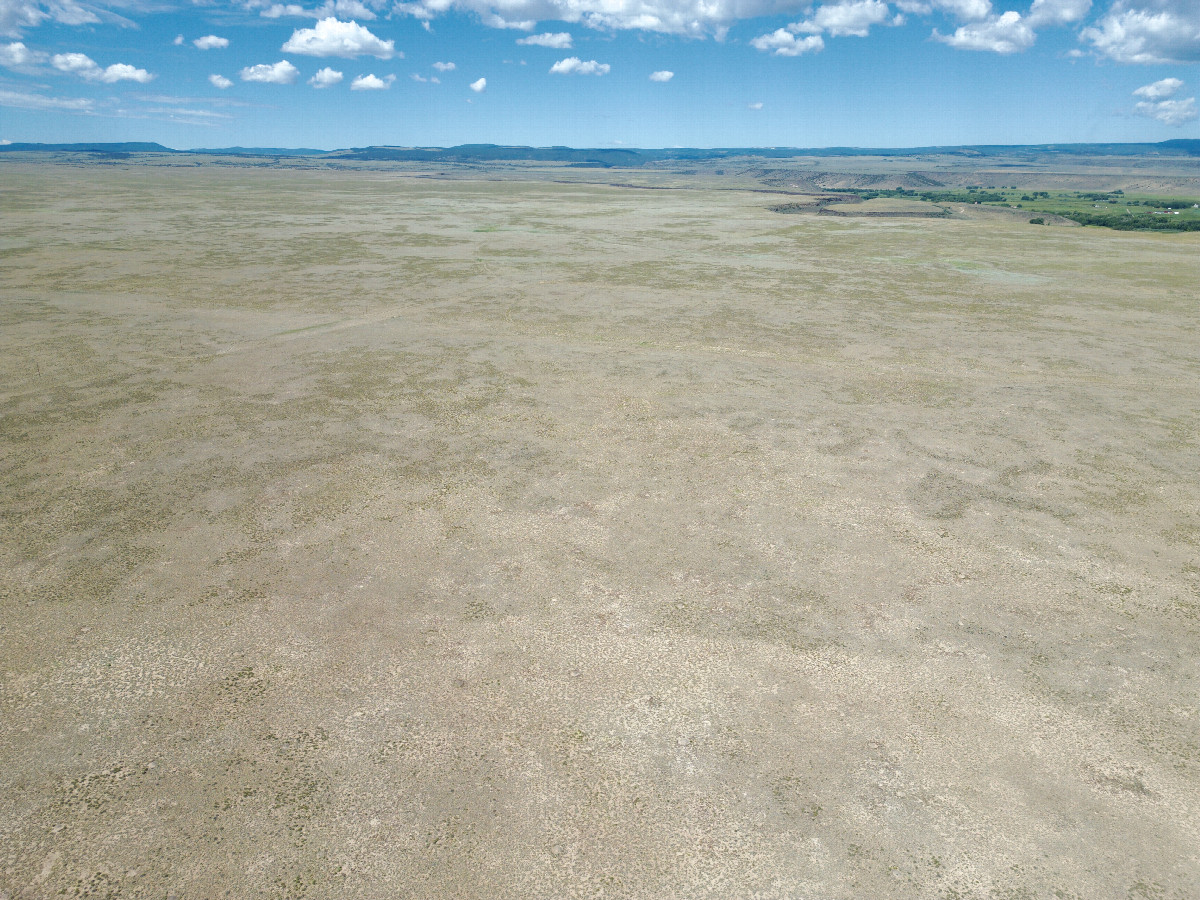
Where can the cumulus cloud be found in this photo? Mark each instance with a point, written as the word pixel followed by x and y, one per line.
pixel 1148 31
pixel 662 76
pixel 220 81
pixel 16 56
pixel 782 42
pixel 329 37
pixel 556 40
pixel 1159 90
pixel 211 42
pixel 1169 112
pixel 326 77
pixel 1155 102
pixel 1006 33
pixel 479 86
pixel 87 69
pixel 573 65
pixel 178 42
pixel 371 83
pixel 282 72
pixel 757 105
pixel 852 17
pixel 444 66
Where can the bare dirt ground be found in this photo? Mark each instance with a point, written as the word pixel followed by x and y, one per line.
pixel 370 536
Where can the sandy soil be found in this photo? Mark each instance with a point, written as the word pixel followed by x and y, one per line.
pixel 374 537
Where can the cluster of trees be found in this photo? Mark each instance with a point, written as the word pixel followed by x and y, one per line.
pixel 970 195
pixel 1162 204
pixel 1123 221
pixel 1119 197
pixel 1118 218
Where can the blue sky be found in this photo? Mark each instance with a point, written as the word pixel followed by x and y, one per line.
pixel 600 73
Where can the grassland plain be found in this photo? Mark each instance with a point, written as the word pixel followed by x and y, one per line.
pixel 375 536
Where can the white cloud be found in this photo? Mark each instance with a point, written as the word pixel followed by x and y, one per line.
pixel 37 101
pixel 371 83
pixel 326 77
pixel 479 86
pixel 852 17
pixel 495 20
pixel 1155 105
pixel 967 10
pixel 87 69
pixel 282 72
pixel 220 81
pixel 123 72
pixel 696 18
pixel 1159 90
pixel 700 18
pixel 1057 12
pixel 573 65
pixel 17 55
pixel 279 10
pixel 178 42
pixel 348 8
pixel 329 37
pixel 755 106
pixel 782 42
pixel 17 15
pixel 556 40
pixel 1169 112
pixel 1007 33
pixel 444 66
pixel 420 79
pixel 211 42
pixel 357 9
pixel 662 76
pixel 1148 31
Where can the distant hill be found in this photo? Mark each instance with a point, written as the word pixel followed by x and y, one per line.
pixel 497 152
pixel 637 157
pixel 260 151
pixel 127 147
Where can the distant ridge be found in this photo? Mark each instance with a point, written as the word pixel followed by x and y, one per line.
pixel 259 151
pixel 628 157
pixel 128 147
pixel 634 157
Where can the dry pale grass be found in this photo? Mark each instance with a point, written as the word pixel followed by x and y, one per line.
pixel 376 536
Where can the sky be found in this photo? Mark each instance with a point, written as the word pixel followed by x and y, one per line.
pixel 598 73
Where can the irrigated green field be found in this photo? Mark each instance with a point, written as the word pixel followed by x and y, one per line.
pixel 367 535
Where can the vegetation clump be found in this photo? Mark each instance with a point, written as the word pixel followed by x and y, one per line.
pixel 1108 209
